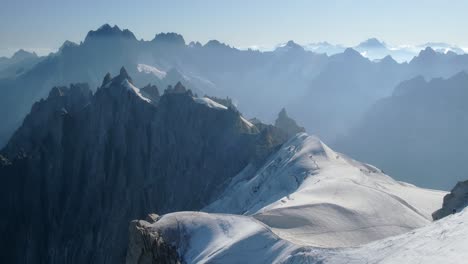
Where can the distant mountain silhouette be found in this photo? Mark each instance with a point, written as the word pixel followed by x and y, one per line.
pixel 419 134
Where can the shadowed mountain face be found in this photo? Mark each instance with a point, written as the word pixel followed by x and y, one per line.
pixel 419 134
pixel 83 165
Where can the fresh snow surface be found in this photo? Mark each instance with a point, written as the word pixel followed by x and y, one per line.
pixel 443 241
pixel 210 103
pixel 151 70
pixel 220 238
pixel 134 89
pixel 310 195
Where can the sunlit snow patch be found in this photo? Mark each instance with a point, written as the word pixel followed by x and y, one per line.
pixel 137 91
pixel 151 70
pixel 210 103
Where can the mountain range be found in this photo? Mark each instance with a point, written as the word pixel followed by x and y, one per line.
pixel 375 49
pixel 186 138
pixel 84 164
pixel 258 82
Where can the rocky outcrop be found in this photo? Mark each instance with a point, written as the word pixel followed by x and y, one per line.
pixel 149 247
pixel 287 124
pixel 107 31
pixel 454 202
pixel 83 165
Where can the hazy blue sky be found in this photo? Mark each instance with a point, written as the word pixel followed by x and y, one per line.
pixel 45 24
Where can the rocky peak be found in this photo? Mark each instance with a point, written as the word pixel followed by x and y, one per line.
pixel 152 92
pixel 145 247
pixel 117 80
pixel 22 54
pixel 177 89
pixel 124 74
pixel 350 52
pixel 56 92
pixel 426 55
pixel 169 38
pixel 388 60
pixel 290 46
pixel 67 45
pixel 372 43
pixel 287 124
pixel 47 116
pixel 106 31
pixel 107 79
pixel 454 202
pixel 103 157
pixel 215 44
pixel 194 44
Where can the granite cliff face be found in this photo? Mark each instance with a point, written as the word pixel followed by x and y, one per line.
pixel 83 165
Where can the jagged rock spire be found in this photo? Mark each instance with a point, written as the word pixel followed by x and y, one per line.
pixel 107 79
pixel 287 124
pixel 123 72
pixel 179 88
pixel 124 75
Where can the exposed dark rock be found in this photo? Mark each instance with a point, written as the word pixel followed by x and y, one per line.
pixel 152 92
pixel 454 202
pixel 170 38
pixel 287 124
pixel 107 79
pixel 82 166
pixel 106 31
pixel 177 89
pixel 148 247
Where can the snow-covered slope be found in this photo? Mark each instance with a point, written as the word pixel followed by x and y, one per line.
pixel 443 241
pixel 311 195
pixel 219 238
pixel 309 204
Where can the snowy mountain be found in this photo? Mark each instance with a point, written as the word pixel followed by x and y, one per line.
pixel 375 49
pixel 312 195
pixel 305 198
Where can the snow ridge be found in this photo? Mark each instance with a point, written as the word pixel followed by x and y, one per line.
pixel 151 70
pixel 311 195
pixel 135 90
pixel 210 103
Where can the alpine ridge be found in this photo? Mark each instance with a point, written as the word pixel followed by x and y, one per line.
pixel 83 164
